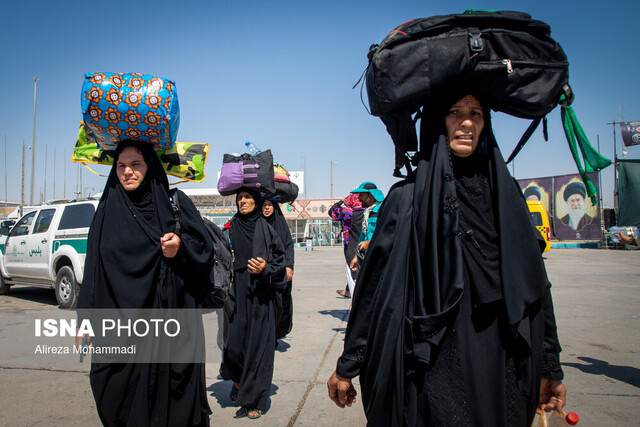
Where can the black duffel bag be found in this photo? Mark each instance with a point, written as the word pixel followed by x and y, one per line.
pixel 246 170
pixel 285 192
pixel 506 58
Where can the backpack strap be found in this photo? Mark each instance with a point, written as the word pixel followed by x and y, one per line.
pixel 526 135
pixel 175 206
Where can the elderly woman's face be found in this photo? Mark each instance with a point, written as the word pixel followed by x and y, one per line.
pixel 267 208
pixel 131 168
pixel 465 122
pixel 246 202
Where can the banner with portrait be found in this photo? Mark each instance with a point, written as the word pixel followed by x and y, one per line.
pixel 574 217
pixel 630 133
pixel 539 189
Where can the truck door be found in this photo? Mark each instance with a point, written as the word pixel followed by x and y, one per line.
pixel 15 258
pixel 39 246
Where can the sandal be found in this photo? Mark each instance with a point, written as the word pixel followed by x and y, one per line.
pixel 343 293
pixel 254 414
pixel 233 394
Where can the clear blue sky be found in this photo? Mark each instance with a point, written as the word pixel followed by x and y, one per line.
pixel 279 74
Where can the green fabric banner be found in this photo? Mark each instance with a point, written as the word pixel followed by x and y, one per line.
pixel 628 192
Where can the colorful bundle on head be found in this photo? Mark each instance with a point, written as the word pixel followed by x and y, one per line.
pixel 118 106
pixel 185 160
pixel 280 174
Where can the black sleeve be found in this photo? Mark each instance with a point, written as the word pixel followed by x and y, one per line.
pixel 551 347
pixel 270 248
pixel 356 338
pixel 289 257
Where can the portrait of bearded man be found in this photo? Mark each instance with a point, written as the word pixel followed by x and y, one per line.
pixel 574 196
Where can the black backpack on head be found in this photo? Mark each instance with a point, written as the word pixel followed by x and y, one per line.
pixel 506 58
pixel 220 278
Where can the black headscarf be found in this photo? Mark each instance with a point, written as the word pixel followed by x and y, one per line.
pixel 279 224
pixel 412 279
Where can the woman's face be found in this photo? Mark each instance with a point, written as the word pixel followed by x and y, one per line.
pixel 246 202
pixel 131 168
pixel 465 122
pixel 267 208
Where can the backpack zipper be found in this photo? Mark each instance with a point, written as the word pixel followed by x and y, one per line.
pixel 510 64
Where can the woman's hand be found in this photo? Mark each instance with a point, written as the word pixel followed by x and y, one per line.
pixel 353 265
pixel 289 274
pixel 553 394
pixel 341 390
pixel 256 265
pixel 170 244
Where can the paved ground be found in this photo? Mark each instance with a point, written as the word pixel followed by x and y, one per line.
pixel 597 300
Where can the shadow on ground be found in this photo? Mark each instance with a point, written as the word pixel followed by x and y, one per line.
pixel 35 294
pixel 338 314
pixel 282 346
pixel 221 389
pixel 626 374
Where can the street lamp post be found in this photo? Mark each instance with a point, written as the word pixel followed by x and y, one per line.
pixel 33 143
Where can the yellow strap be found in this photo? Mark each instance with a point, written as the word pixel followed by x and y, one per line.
pixel 85 165
pixel 179 182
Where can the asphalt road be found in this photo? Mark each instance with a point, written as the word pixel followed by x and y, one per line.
pixel 597 302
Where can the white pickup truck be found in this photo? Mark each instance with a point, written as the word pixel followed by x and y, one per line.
pixel 47 247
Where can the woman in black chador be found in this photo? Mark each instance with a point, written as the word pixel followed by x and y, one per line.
pixel 259 273
pixel 453 322
pixel 137 259
pixel 272 213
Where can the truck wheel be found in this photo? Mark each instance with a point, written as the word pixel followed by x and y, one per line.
pixel 66 288
pixel 4 289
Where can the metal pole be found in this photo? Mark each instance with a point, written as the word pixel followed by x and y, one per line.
pixel 22 184
pixel 615 170
pixel 64 185
pixel 54 173
pixel 44 197
pixel 6 192
pixel 332 179
pixel 33 143
pixel 304 178
pixel 602 224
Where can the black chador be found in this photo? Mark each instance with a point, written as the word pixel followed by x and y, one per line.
pixel 285 312
pixel 125 268
pixel 249 354
pixel 452 323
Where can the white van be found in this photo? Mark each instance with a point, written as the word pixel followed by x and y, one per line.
pixel 47 248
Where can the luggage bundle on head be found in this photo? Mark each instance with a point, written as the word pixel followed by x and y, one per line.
pixel 507 59
pixel 141 107
pixel 280 174
pixel 246 170
pixel 185 160
pixel 285 190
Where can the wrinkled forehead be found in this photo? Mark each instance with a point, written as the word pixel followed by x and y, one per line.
pixel 130 154
pixel 469 101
